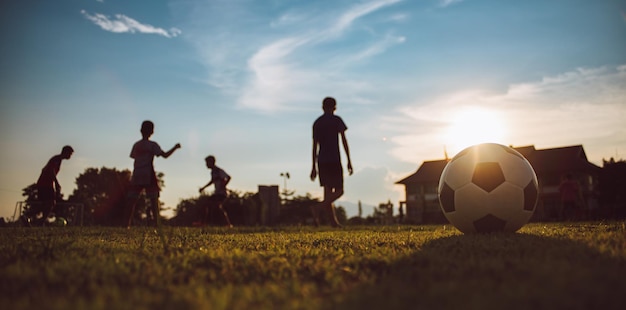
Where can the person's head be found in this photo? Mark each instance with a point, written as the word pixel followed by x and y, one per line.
pixel 147 129
pixel 329 104
pixel 67 152
pixel 210 161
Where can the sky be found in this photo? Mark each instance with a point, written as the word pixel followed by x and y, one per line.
pixel 244 81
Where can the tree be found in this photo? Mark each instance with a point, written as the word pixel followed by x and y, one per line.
pixel 297 211
pixel 31 210
pixel 103 194
pixel 242 209
pixel 383 214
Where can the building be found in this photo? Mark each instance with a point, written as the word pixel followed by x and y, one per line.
pixel 270 200
pixel 422 203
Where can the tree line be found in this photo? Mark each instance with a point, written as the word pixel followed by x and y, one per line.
pixel 100 193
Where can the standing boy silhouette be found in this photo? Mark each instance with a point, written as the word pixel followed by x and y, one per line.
pixel 327 159
pixel 220 179
pixel 144 176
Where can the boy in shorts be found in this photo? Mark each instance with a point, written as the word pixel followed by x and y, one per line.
pixel 144 176
pixel 327 160
pixel 48 187
pixel 220 179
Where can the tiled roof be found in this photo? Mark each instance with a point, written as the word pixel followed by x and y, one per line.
pixel 429 171
pixel 546 161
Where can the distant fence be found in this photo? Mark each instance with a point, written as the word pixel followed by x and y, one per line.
pixel 74 213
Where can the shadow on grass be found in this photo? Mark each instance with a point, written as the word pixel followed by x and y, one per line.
pixel 498 271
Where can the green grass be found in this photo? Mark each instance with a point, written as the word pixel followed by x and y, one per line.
pixel 543 266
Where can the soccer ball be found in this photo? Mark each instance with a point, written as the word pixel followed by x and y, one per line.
pixel 488 188
pixel 60 222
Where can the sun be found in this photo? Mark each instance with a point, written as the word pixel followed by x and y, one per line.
pixel 474 125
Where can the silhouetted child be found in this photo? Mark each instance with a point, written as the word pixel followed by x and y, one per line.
pixel 48 187
pixel 144 176
pixel 327 159
pixel 220 179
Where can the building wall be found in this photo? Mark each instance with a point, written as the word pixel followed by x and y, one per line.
pixel 422 202
pixel 271 204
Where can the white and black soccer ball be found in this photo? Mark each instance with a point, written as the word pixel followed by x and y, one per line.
pixel 488 188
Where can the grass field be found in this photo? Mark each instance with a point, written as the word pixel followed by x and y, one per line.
pixel 543 266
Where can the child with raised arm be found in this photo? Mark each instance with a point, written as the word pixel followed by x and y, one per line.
pixel 144 177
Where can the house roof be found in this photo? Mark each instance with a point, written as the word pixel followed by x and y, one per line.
pixel 545 161
pixel 555 160
pixel 429 171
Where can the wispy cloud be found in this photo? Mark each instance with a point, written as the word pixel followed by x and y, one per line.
pixel 565 109
pixel 123 24
pixel 267 61
pixel 356 12
pixel 279 75
pixel 446 3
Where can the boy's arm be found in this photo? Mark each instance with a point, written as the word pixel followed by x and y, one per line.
pixel 313 169
pixel 347 149
pixel 207 185
pixel 171 151
pixel 57 184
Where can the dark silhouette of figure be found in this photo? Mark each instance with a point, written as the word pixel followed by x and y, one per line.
pixel 48 187
pixel 144 177
pixel 571 196
pixel 327 159
pixel 220 179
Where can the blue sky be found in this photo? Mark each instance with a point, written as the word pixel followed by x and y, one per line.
pixel 244 80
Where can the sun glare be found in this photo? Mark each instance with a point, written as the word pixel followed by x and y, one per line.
pixel 472 126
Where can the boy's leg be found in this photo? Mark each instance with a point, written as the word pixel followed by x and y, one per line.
pixel 153 212
pixel 225 215
pixel 218 201
pixel 129 210
pixel 47 207
pixel 330 196
pixel 132 196
pixel 154 205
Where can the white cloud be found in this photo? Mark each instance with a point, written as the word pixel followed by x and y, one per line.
pixel 346 19
pixel 372 185
pixel 583 106
pixel 123 24
pixel 269 63
pixel 279 78
pixel 446 3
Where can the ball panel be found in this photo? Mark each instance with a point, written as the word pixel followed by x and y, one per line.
pixel 516 169
pixel 489 223
pixel 488 152
pixel 488 176
pixel 470 204
pixel 517 222
pixel 458 171
pixel 512 152
pixel 446 198
pixel 530 196
pixel 506 202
